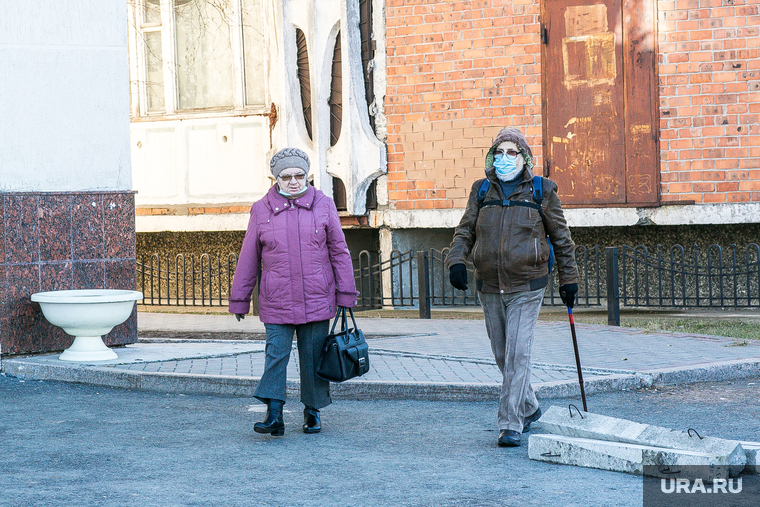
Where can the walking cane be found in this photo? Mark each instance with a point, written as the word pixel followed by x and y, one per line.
pixel 577 357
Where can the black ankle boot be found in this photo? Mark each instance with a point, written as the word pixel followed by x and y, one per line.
pixel 273 422
pixel 311 422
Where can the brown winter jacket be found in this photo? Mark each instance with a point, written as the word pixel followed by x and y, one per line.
pixel 508 243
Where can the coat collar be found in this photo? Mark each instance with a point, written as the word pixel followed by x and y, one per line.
pixel 278 203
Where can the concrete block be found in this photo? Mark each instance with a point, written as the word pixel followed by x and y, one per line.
pixel 558 420
pixel 752 450
pixel 624 457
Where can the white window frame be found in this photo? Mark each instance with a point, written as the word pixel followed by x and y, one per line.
pixel 138 83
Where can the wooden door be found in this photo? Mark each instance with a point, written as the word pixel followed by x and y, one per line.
pixel 599 97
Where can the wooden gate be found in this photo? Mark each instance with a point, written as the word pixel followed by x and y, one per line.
pixel 600 101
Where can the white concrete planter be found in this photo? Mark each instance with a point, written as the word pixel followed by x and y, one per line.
pixel 87 315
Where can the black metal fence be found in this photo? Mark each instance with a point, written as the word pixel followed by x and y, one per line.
pixel 693 278
pixel 185 280
pixel 396 282
pixel 618 276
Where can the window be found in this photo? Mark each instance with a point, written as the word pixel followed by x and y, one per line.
pixel 199 54
pixel 253 45
pixel 154 64
pixel 204 53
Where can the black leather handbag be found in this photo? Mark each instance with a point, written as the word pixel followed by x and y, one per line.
pixel 345 354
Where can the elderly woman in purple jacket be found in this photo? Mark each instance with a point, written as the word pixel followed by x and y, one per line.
pixel 295 242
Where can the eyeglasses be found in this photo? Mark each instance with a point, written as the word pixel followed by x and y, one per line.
pixel 511 153
pixel 287 177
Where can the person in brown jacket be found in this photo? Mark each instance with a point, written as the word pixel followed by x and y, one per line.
pixel 505 232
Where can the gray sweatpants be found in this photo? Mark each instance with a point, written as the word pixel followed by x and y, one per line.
pixel 315 392
pixel 510 321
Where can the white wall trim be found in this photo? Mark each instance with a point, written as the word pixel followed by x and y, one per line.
pixel 704 214
pixel 192 223
pixel 695 214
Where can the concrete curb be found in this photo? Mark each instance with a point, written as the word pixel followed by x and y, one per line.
pixel 711 372
pixel 358 389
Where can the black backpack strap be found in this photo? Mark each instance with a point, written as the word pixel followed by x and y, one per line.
pixel 538 195
pixel 507 202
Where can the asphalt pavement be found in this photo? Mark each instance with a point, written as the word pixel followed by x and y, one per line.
pixel 82 445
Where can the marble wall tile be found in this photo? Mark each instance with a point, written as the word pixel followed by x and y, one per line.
pixel 2 229
pixel 21 229
pixel 119 225
pixel 121 274
pixel 28 330
pixel 88 275
pixel 3 291
pixel 123 333
pixel 55 227
pixel 56 276
pixel 87 226
pixel 22 280
pixel 57 241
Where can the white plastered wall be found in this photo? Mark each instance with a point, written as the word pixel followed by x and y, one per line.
pixel 223 158
pixel 73 134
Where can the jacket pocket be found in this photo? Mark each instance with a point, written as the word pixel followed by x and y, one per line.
pixel 527 218
pixel 263 288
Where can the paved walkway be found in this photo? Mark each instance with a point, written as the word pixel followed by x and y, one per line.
pixel 410 358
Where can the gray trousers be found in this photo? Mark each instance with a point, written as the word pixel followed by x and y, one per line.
pixel 315 392
pixel 510 322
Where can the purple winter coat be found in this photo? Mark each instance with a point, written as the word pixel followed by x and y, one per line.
pixel 300 250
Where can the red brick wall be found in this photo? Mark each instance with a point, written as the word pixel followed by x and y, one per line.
pixel 458 71
pixel 709 54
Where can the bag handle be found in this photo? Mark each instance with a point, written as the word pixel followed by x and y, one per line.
pixel 351 312
pixel 341 315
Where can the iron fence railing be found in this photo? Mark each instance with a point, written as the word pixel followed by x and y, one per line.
pixel 185 280
pixel 627 276
pixel 395 281
pixel 691 278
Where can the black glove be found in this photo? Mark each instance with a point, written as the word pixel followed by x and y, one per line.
pixel 567 292
pixel 239 316
pixel 458 276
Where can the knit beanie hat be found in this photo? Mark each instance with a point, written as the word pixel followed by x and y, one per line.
pixel 289 157
pixel 515 136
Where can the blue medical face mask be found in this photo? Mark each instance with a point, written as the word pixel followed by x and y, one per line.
pixel 506 167
pixel 296 194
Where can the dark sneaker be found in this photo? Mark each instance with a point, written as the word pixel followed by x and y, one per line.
pixel 509 438
pixel 531 419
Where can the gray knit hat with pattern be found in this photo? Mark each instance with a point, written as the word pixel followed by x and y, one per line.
pixel 287 158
